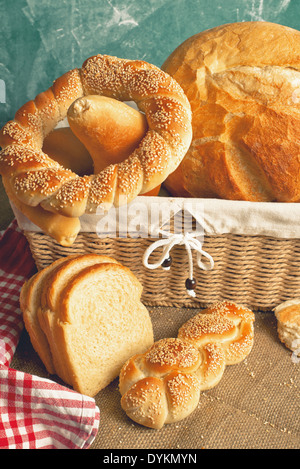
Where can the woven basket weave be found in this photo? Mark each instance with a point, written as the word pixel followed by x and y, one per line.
pixel 257 271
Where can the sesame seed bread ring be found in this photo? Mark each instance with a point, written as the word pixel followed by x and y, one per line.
pixel 36 179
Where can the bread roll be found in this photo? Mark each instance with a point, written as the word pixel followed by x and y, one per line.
pixel 288 323
pixel 63 230
pixel 65 148
pixel 111 139
pixel 108 128
pixel 243 84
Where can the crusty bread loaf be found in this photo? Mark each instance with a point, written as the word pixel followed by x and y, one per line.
pixel 243 84
pixel 91 321
pixel 288 323
pixel 36 179
pixel 163 384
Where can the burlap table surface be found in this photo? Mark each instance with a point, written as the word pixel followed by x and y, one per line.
pixel 256 404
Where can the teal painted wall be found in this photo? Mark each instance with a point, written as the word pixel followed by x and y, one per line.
pixel 40 40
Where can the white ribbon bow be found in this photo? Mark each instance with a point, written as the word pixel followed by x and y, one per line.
pixel 190 241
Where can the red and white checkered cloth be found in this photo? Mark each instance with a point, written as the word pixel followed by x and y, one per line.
pixel 35 413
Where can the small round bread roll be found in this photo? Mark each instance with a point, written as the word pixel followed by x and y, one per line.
pixel 288 323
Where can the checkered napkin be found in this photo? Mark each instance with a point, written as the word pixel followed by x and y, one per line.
pixel 35 413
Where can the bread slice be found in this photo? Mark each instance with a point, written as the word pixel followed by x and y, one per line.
pixel 30 298
pixel 99 324
pixel 50 301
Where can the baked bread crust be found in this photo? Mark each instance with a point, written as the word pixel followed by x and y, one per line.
pixel 243 83
pixel 37 180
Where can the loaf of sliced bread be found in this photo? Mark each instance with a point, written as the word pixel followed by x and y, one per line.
pixel 30 300
pixel 111 318
pixel 50 301
pixel 90 317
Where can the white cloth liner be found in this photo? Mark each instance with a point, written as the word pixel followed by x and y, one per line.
pixel 215 217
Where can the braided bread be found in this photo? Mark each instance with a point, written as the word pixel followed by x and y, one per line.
pixel 226 323
pixel 163 385
pixel 36 179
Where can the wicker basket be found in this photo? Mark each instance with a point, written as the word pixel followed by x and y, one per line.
pixel 258 271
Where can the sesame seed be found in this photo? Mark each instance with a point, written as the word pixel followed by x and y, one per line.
pixel 173 352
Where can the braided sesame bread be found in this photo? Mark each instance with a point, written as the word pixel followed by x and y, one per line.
pixel 38 180
pixel 163 385
pixel 226 323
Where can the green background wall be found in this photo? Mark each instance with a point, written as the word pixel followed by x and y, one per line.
pixel 40 40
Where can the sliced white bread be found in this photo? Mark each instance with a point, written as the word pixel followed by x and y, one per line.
pixel 30 299
pixel 50 302
pixel 99 323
